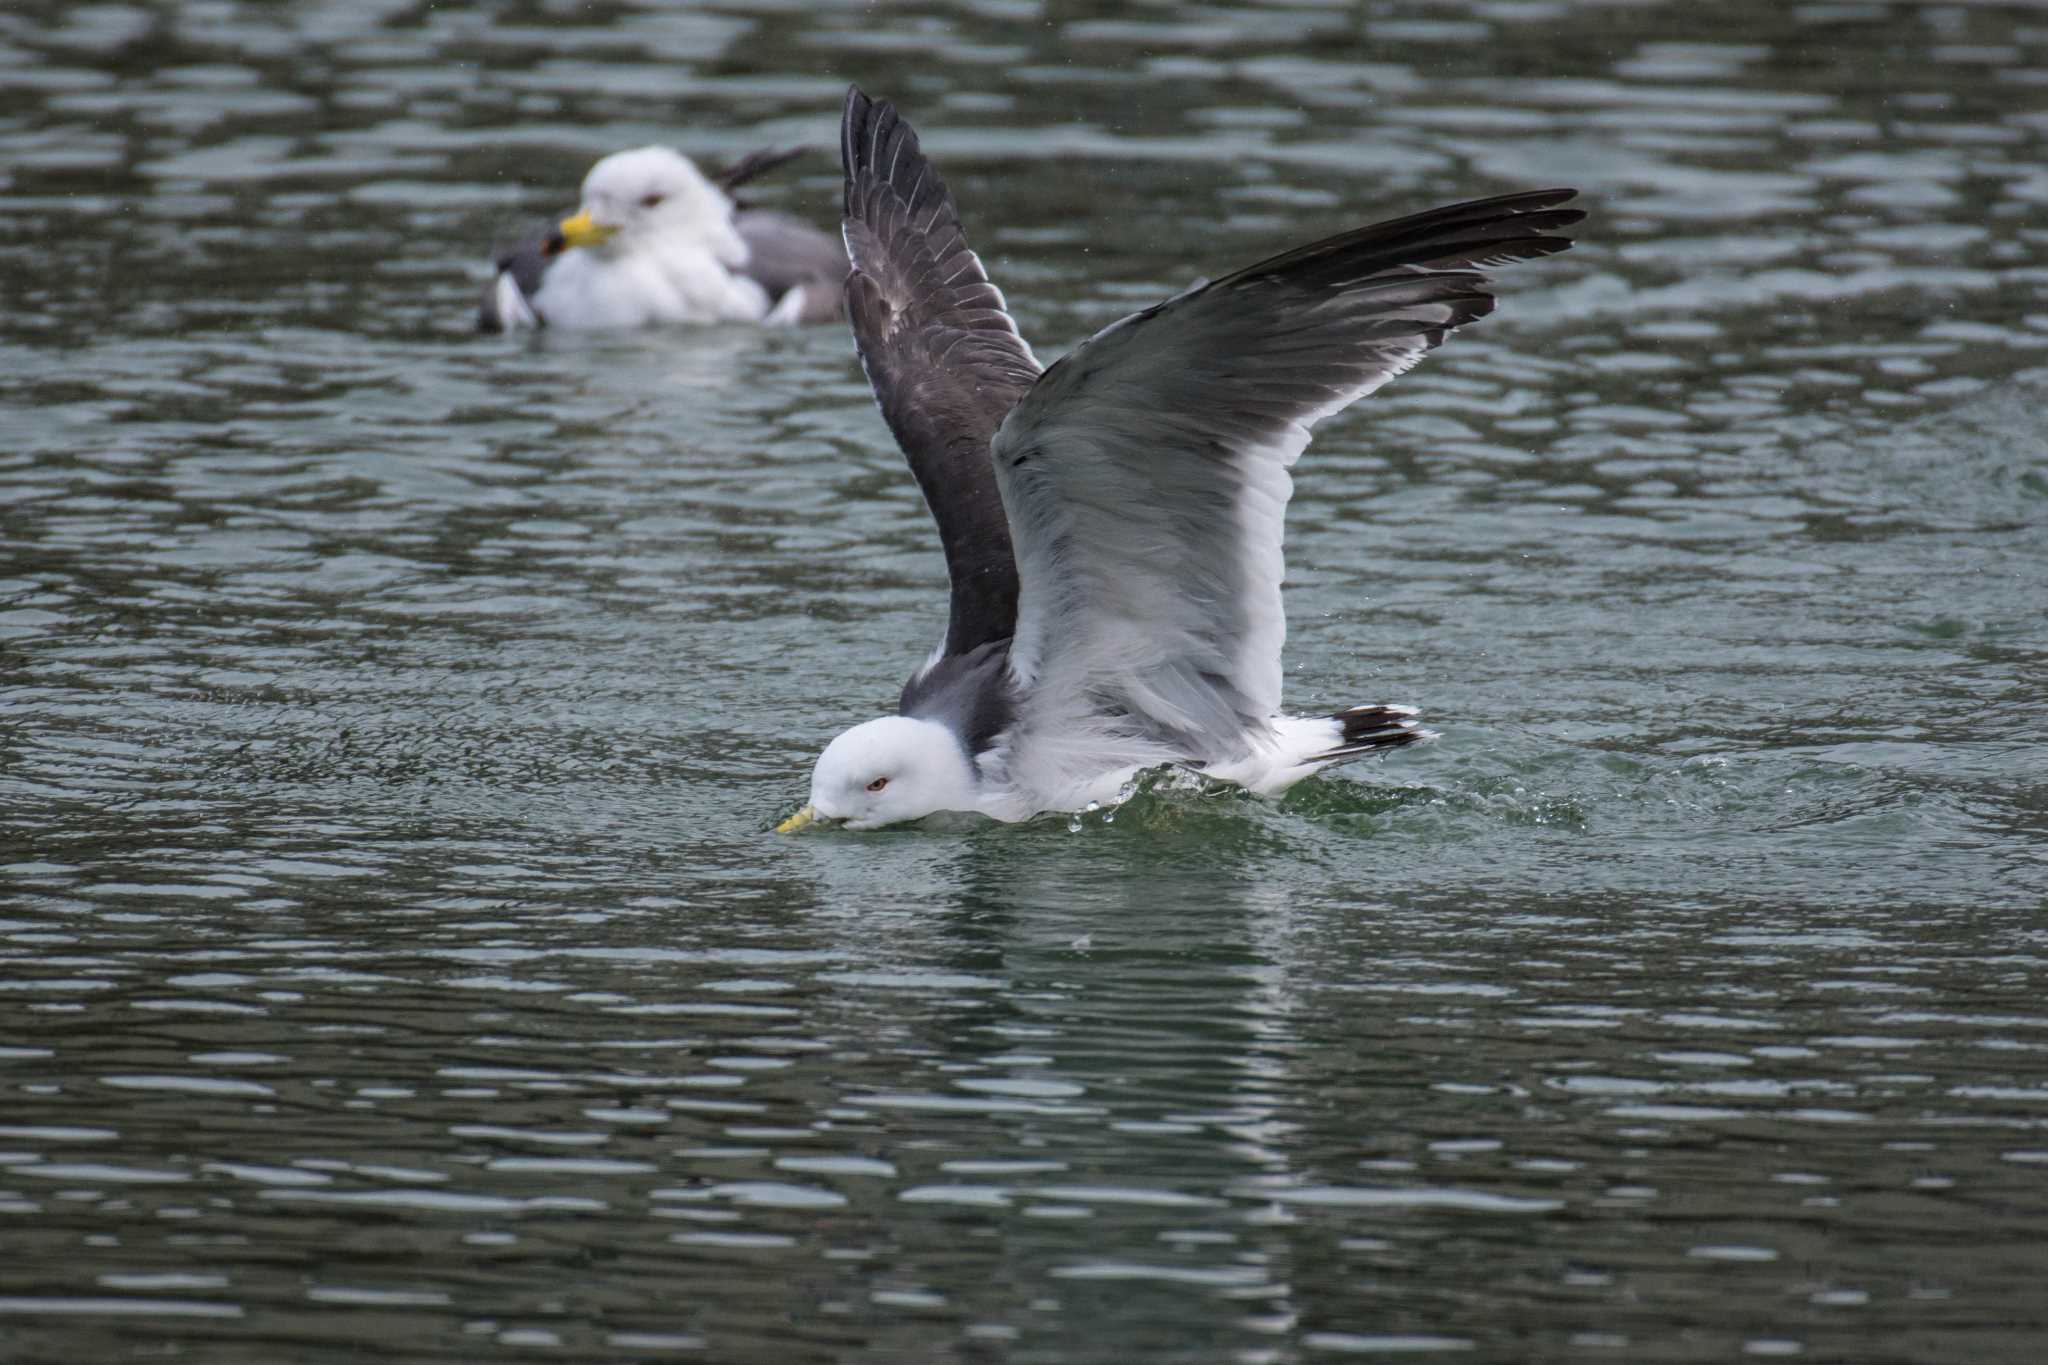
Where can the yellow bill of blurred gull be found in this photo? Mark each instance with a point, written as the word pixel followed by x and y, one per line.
pixel 656 241
pixel 1112 524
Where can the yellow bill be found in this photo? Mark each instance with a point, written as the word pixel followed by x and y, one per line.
pixel 808 815
pixel 583 230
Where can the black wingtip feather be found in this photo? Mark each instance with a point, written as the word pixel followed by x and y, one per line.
pixel 853 122
pixel 1369 729
pixel 1477 233
pixel 756 164
pixel 867 128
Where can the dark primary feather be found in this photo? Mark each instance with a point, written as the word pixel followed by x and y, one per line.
pixel 1476 233
pixel 944 358
pixel 754 165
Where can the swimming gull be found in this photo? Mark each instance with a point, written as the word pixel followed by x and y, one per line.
pixel 1112 524
pixel 657 241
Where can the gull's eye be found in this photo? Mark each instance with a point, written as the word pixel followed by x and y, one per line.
pixel 651 201
pixel 878 784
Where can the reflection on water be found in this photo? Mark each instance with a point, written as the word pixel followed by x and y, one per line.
pixel 393 957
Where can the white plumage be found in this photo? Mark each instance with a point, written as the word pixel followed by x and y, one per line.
pixel 655 241
pixel 660 247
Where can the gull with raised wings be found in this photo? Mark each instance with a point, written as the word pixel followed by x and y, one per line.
pixel 1112 524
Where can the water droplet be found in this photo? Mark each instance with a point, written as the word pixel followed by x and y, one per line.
pixel 1073 824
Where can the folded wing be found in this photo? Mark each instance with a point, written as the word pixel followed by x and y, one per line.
pixel 944 358
pixel 1146 478
pixel 506 305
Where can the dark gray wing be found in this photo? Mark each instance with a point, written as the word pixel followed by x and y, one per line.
pixel 944 358
pixel 1146 473
pixel 508 299
pixel 785 252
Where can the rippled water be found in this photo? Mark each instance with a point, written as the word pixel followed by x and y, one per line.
pixel 395 961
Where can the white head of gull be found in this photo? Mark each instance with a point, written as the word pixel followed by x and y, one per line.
pixel 891 769
pixel 656 241
pixel 1112 525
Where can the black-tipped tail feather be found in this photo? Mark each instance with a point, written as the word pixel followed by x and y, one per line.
pixel 1367 729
